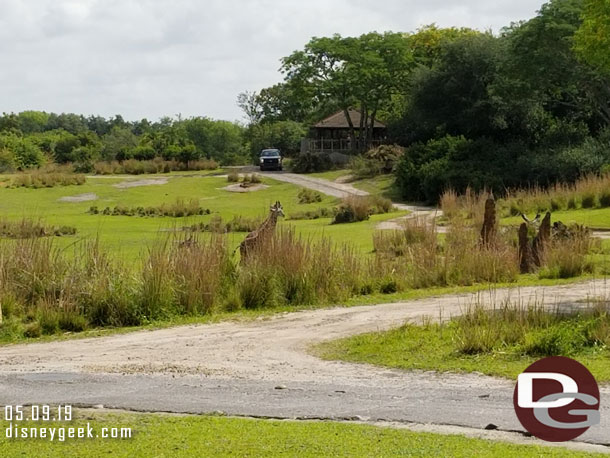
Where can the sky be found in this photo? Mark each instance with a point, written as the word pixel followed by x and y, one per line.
pixel 154 58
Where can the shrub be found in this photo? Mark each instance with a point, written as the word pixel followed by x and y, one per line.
pixel 604 198
pixel 32 330
pixel 40 179
pixel 362 167
pixel 376 161
pixel 311 162
pixel 358 208
pixel 353 209
pixel 233 177
pixel 49 320
pixel 322 212
pixel 157 165
pixel 308 196
pixel 27 229
pixel 177 209
pixel 568 257
pixel 237 224
pixel 588 200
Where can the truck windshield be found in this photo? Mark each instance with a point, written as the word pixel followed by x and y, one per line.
pixel 270 152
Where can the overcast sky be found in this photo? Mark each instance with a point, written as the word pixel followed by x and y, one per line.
pixel 150 58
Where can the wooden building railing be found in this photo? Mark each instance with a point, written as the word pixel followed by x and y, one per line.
pixel 340 145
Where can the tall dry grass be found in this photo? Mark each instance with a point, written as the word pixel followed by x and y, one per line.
pixel 289 269
pixel 157 165
pixel 27 228
pixel 43 179
pixel 176 209
pixel 359 208
pixel 422 260
pixel 592 191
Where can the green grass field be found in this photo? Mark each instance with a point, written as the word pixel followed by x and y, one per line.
pixel 178 436
pixel 129 235
pixel 433 347
pixel 593 218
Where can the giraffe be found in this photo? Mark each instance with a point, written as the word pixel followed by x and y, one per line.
pixel 263 233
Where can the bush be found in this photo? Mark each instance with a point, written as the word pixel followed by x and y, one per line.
pixel 604 198
pixel 362 167
pixel 41 179
pixel 308 196
pixel 237 224
pixel 157 165
pixel 312 162
pixel 233 177
pixel 177 209
pixel 353 209
pixel 32 330
pixel 568 257
pixel 358 208
pixel 588 200
pixel 28 229
pixel 313 214
pixel 376 161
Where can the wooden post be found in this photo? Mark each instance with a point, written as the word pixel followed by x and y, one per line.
pixel 541 240
pixel 525 254
pixel 488 231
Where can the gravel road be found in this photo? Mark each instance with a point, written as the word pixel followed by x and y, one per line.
pixel 263 368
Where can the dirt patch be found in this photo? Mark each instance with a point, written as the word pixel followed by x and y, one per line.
pixel 237 187
pixel 345 179
pixel 264 349
pixel 138 183
pixel 79 198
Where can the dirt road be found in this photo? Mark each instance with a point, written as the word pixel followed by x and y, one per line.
pixel 263 368
pixel 335 189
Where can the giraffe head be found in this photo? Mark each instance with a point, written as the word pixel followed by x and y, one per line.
pixel 277 209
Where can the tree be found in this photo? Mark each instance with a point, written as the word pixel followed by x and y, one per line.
pixel 592 39
pixel 543 58
pixel 249 104
pixel 32 121
pixel 350 71
pixel 285 135
pixel 427 43
pixel 117 143
pixel 453 96
pixel 20 151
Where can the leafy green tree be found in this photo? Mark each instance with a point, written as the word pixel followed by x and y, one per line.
pixel 73 123
pixel 32 121
pixel 285 135
pixel 117 143
pixel 592 39
pixel 346 72
pixel 24 153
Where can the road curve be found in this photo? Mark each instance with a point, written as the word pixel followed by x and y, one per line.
pixel 341 190
pixel 263 368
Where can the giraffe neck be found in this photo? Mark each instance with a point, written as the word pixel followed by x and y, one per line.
pixel 270 222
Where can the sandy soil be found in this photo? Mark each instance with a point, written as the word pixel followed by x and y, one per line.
pixel 264 349
pixel 134 184
pixel 79 198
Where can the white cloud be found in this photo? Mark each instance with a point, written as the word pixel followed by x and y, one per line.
pixel 149 58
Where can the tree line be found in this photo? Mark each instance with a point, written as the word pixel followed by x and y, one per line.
pixel 530 105
pixel 31 139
